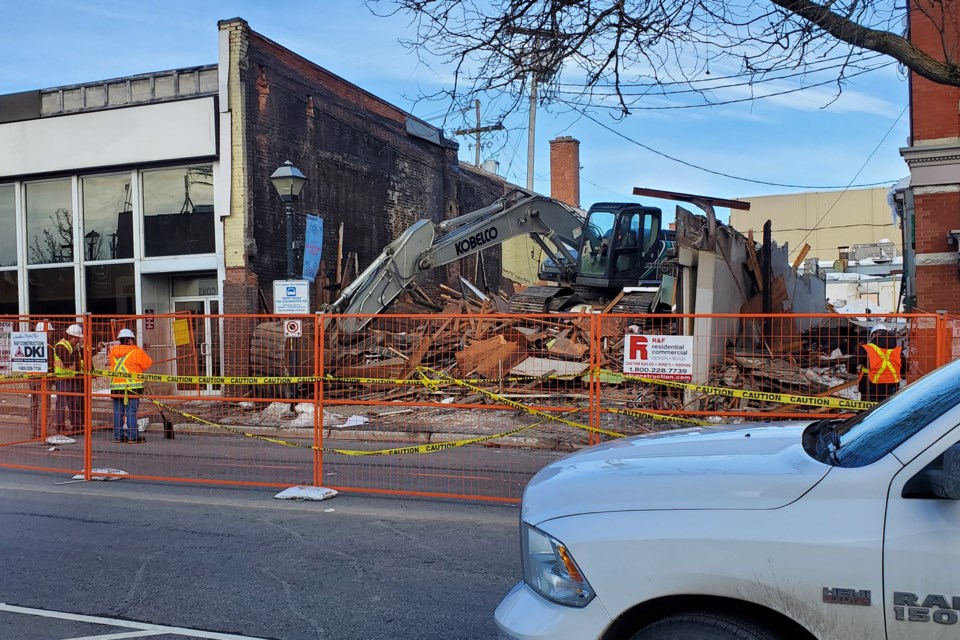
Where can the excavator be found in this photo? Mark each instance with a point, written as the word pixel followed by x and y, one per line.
pixel 615 248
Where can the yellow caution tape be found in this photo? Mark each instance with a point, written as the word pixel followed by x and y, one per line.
pixel 521 407
pixel 432 447
pixel 658 416
pixel 243 380
pixel 435 446
pixel 434 385
pixel 765 396
pixel 258 380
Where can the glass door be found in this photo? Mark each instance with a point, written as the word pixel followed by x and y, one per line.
pixel 197 338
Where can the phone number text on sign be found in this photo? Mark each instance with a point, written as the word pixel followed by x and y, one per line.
pixel 660 357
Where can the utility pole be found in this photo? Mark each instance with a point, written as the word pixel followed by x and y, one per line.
pixel 477 131
pixel 476 104
pixel 531 131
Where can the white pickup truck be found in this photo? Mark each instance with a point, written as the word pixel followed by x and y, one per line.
pixel 827 530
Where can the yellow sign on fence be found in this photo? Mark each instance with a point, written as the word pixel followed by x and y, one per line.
pixel 181 332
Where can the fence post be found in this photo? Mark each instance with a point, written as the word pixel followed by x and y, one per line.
pixel 594 377
pixel 318 336
pixel 87 397
pixel 944 338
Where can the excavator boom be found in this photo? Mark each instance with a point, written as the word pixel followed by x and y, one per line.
pixel 417 249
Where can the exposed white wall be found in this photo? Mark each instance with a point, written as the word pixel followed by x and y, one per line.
pixel 879 294
pixel 113 137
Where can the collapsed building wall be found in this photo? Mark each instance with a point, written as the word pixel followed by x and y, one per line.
pixel 720 274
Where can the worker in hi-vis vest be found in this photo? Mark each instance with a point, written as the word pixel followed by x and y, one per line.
pixel 880 363
pixel 68 369
pixel 127 358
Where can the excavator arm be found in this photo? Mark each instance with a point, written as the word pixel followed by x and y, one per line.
pixel 417 249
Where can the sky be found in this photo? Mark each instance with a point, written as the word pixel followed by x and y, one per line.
pixel 809 138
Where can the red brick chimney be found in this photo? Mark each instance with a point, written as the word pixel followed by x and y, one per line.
pixel 565 170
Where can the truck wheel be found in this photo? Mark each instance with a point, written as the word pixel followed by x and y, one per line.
pixel 702 626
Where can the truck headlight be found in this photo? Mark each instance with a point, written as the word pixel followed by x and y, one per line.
pixel 549 569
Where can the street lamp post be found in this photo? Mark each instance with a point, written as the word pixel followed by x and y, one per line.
pixel 288 181
pixel 93 239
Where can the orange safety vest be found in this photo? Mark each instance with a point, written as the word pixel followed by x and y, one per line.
pixel 127 359
pixel 883 364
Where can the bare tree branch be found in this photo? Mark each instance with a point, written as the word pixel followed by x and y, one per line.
pixel 605 46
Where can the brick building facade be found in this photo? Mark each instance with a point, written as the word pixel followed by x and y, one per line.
pixel 370 166
pixel 934 160
pixel 151 194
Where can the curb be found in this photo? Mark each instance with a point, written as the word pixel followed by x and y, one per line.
pixel 404 437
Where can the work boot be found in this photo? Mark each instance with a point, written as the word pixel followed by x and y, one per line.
pixel 137 440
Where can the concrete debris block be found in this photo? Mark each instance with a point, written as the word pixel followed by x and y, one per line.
pixel 55 440
pixel 300 421
pixel 115 472
pixel 304 408
pixel 307 493
pixel 542 366
pixel 278 410
pixel 247 406
pixel 355 421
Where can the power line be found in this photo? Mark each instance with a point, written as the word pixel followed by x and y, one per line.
pixel 738 100
pixel 728 175
pixel 812 69
pixel 748 83
pixel 855 176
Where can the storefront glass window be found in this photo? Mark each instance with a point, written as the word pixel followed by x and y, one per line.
pixel 49 222
pixel 8 222
pixel 178 211
pixel 9 299
pixel 107 218
pixel 51 292
pixel 111 289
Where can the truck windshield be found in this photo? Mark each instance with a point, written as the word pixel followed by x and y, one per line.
pixel 869 436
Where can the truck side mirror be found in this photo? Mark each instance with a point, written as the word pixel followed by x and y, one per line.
pixel 951 472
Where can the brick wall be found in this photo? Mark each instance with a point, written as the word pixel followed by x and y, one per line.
pixel 364 169
pixel 935 110
pixel 936 214
pixel 938 287
pixel 935 119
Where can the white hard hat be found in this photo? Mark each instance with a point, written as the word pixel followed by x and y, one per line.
pixel 878 327
pixel 75 330
pixel 125 333
pixel 42 326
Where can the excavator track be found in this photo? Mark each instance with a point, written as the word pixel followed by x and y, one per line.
pixel 536 299
pixel 635 302
pixel 637 306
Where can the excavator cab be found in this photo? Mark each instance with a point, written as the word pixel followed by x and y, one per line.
pixel 620 246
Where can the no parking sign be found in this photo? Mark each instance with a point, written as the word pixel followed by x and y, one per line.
pixel 292 329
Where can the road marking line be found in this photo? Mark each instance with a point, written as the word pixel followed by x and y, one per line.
pixel 120 636
pixel 60 615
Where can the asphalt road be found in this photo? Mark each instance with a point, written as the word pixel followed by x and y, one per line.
pixel 237 561
pixel 468 471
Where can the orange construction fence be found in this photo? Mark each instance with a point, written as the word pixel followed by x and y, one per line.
pixel 457 406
